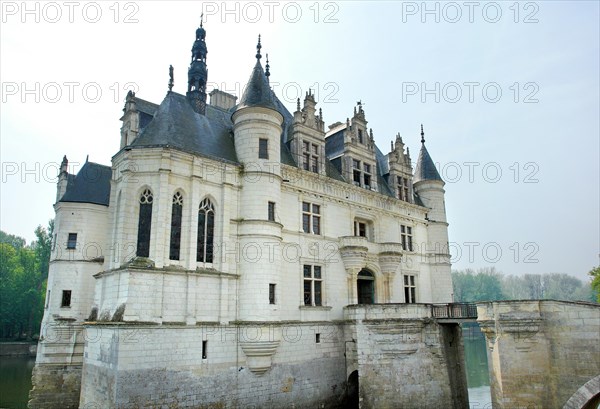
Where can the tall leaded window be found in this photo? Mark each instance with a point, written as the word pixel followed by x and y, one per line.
pixel 313 285
pixel 263 148
pixel 410 289
pixel 271 211
pixel 406 237
pixel 311 218
pixel 144 224
pixel 176 212
pixel 206 230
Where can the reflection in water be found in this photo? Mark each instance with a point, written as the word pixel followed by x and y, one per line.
pixel 478 379
pixel 15 381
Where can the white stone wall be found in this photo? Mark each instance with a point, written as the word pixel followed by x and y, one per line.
pixel 152 366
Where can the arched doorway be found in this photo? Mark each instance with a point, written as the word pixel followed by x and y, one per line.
pixel 365 286
pixel 352 391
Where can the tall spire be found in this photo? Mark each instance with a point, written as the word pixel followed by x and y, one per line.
pixel 197 73
pixel 425 168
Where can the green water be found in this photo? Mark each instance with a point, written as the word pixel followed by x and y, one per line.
pixel 478 379
pixel 15 381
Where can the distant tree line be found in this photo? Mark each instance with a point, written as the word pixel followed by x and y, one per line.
pixel 487 284
pixel 23 276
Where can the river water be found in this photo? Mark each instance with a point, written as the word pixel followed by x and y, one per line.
pixel 15 375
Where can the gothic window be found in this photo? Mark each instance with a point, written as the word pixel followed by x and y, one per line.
pixel 406 237
pixel 206 228
pixel 311 218
pixel 410 289
pixel 176 212
pixel 313 280
pixel 72 241
pixel 263 148
pixel 271 211
pixel 144 224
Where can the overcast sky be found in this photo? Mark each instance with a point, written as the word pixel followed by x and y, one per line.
pixel 508 94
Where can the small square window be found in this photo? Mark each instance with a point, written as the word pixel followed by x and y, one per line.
pixel 72 241
pixel 66 298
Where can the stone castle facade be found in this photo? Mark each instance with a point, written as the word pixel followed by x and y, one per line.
pixel 212 264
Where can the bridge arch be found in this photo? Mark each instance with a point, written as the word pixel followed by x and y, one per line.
pixel 586 397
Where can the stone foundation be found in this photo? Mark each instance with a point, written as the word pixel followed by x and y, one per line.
pixel 404 358
pixel 55 387
pixel 213 367
pixel 540 353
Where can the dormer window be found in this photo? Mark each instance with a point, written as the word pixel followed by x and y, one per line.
pixel 403 188
pixel 310 157
pixel 362 174
pixel 360 136
pixel 367 176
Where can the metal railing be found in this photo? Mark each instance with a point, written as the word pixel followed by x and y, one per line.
pixel 454 310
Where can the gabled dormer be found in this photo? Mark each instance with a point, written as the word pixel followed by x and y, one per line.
pixel 308 136
pixel 356 161
pixel 400 177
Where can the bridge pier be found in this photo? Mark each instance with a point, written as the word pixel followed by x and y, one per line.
pixel 540 353
pixel 403 357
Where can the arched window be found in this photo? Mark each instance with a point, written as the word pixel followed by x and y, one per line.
pixel 206 228
pixel 176 211
pixel 144 224
pixel 365 284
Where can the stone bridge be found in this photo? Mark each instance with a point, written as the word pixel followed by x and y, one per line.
pixel 542 354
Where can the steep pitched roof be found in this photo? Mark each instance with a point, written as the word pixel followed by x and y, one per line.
pixel 257 92
pixel 176 124
pixel 425 168
pixel 90 185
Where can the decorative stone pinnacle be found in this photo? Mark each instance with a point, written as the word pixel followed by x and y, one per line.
pixel 171 78
pixel 422 134
pixel 267 72
pixel 258 47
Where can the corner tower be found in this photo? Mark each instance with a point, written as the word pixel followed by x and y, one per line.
pixel 257 138
pixel 429 186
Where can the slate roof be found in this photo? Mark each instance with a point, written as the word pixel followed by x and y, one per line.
pixel 425 168
pixel 176 124
pixel 257 92
pixel 90 185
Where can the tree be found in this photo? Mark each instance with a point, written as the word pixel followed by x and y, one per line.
pixel 23 275
pixel 485 285
pixel 595 274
